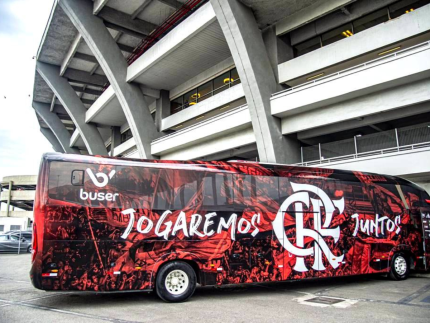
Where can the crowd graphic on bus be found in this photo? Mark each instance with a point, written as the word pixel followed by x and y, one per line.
pixel 82 239
pixel 259 267
pixel 80 267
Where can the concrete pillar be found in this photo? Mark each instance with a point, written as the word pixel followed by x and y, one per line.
pixel 9 196
pixel 52 139
pixel 162 108
pixel 253 65
pixel 279 50
pixel 115 66
pixel 115 139
pixel 57 127
pixel 74 107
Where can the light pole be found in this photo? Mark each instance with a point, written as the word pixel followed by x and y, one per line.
pixel 9 198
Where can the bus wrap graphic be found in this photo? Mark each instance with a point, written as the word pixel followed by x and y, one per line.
pixel 300 198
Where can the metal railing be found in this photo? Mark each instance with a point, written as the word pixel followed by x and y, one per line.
pixel 384 142
pixel 211 93
pixel 351 69
pixel 199 124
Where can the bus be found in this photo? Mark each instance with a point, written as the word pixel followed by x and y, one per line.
pixel 107 224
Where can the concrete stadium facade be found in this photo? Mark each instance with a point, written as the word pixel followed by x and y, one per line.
pixel 336 83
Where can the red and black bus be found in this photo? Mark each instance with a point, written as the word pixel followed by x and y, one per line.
pixel 108 224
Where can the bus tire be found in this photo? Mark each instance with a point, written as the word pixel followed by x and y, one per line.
pixel 399 267
pixel 175 282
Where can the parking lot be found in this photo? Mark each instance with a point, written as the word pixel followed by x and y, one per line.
pixel 353 299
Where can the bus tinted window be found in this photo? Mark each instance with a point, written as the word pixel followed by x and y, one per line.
pixel 244 191
pixel 267 191
pixel 284 189
pixel 179 190
pixel 60 181
pixel 209 191
pixel 224 189
pixel 138 186
pixel 163 198
pixel 184 193
pixel 358 192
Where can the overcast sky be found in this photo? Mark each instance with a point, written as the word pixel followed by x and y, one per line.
pixel 22 23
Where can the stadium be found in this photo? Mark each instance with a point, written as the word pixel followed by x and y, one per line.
pixel 339 84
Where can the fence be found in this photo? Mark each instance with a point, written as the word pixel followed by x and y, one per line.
pixel 413 137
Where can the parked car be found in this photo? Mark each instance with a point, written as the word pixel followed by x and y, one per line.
pixel 11 243
pixel 28 235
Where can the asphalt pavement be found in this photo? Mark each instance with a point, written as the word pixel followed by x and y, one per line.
pixel 352 299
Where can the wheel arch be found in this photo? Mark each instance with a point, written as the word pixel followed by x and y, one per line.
pixel 187 257
pixel 407 251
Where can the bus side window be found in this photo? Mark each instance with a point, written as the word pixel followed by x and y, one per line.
pixel 244 190
pixel 267 191
pixel 136 185
pixel 386 199
pixel 183 194
pixel 412 198
pixel 357 192
pixel 284 189
pixel 190 190
pixel 163 194
pixel 78 177
pixel 411 195
pixel 62 186
pixel 209 191
pixel 224 189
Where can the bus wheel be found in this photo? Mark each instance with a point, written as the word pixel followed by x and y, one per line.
pixel 176 282
pixel 399 267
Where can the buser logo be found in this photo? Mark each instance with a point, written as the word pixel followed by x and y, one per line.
pixel 103 176
pixel 99 196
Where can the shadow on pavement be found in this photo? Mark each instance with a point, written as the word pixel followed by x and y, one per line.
pixel 233 292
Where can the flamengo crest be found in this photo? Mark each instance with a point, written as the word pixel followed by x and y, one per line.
pixel 320 230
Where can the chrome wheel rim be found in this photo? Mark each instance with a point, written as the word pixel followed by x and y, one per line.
pixel 400 265
pixel 176 282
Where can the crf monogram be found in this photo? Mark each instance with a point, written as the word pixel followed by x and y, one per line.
pixel 300 198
